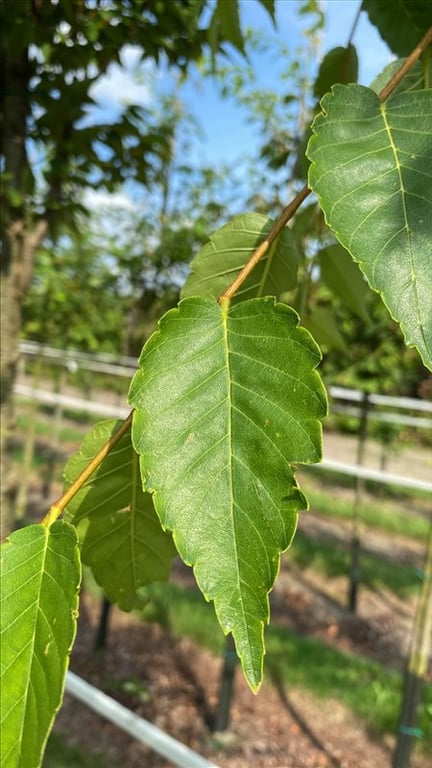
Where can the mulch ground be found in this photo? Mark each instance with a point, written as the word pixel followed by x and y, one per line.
pixel 176 683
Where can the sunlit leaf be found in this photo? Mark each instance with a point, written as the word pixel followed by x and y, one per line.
pixel 121 537
pixel 228 249
pixel 39 600
pixel 371 167
pixel 413 80
pixel 225 400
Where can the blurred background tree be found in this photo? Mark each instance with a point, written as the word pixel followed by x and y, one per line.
pixel 53 53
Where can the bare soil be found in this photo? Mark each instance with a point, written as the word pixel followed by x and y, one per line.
pixel 281 727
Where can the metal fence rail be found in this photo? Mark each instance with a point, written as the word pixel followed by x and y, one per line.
pixel 125 367
pixel 105 409
pixel 141 729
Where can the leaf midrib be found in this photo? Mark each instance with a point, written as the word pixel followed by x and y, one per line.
pixel 33 640
pixel 405 215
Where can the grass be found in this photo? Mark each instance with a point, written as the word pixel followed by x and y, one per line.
pixel 44 428
pixel 384 516
pixel 383 490
pixel 333 560
pixel 368 689
pixel 59 754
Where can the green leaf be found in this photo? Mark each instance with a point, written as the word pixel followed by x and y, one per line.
pixel 39 607
pixel 225 400
pixel 413 80
pixel 401 25
pixel 226 17
pixel 320 321
pixel 269 5
pixel 342 275
pixel 227 251
pixel 121 537
pixel 340 65
pixel 371 167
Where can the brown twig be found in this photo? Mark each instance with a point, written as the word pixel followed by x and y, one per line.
pixel 414 56
pixel 290 210
pixel 259 252
pixel 57 508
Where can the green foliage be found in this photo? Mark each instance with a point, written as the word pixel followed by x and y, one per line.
pixel 120 535
pixel 340 273
pixel 371 169
pixel 401 24
pixel 339 65
pixel 413 80
pixel 224 400
pixel 39 607
pixel 227 252
pixel 227 397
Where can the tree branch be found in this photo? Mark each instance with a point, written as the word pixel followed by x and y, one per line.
pixel 414 56
pixel 259 252
pixel 57 508
pixel 291 209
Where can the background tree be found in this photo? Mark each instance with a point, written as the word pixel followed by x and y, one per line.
pixel 53 53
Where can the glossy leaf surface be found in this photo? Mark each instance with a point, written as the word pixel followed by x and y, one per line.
pixel 39 607
pixel 371 167
pixel 121 537
pixel 225 400
pixel 228 249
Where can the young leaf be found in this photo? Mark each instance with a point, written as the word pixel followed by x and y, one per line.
pixel 121 537
pixel 342 275
pixel 402 24
pixel 371 167
pixel 39 607
pixel 413 80
pixel 227 251
pixel 225 400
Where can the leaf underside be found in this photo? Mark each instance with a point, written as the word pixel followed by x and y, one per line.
pixel 371 167
pixel 401 24
pixel 39 607
pixel 342 275
pixel 225 400
pixel 227 251
pixel 121 536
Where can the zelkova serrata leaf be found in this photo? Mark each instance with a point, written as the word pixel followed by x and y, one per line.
pixel 227 251
pixel 413 80
pixel 121 537
pixel 41 575
pixel 371 167
pixel 225 400
pixel 401 24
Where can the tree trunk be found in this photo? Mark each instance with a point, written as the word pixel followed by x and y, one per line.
pixel 20 239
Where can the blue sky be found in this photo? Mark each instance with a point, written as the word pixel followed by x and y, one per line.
pixel 226 130
pixel 228 134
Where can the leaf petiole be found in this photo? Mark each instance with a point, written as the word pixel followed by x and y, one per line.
pixel 58 507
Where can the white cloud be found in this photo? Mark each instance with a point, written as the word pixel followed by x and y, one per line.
pixel 130 83
pixel 97 199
